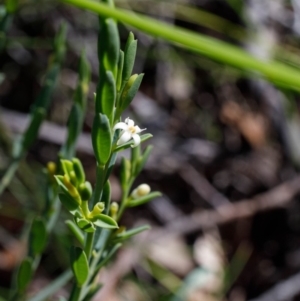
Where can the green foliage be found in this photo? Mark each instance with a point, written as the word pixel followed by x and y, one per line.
pixel 79 264
pixel 223 52
pixel 101 138
pixel 95 230
pixel 24 274
pixel 38 236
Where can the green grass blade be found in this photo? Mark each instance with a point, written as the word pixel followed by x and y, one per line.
pixel 222 52
pixel 53 287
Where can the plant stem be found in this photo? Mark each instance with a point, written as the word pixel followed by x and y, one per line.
pixel 124 199
pixel 10 172
pixel 100 176
pixel 89 244
pixel 85 208
pixel 223 52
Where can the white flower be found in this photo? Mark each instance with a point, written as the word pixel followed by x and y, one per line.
pixel 129 131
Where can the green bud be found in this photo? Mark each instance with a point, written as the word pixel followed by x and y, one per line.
pixel 98 209
pixel 85 191
pixel 114 208
pixel 130 90
pixel 125 172
pixel 67 166
pixel 71 189
pixel 85 225
pixel 51 168
pixel 73 178
pixel 79 171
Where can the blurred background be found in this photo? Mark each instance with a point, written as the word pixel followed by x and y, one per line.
pixel 226 155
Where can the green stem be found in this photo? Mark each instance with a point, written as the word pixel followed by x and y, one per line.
pixel 89 244
pixel 100 176
pixel 124 199
pixel 85 208
pixel 76 292
pixel 10 172
pixel 223 52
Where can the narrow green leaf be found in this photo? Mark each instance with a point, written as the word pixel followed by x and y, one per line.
pixel 78 169
pixel 67 167
pixel 74 125
pixel 24 274
pixel 105 221
pixel 85 225
pixel 101 138
pixel 130 92
pixel 143 160
pixel 70 203
pixel 92 291
pixel 75 231
pixel 143 200
pixel 112 46
pixel 129 59
pixel 33 128
pixel 79 264
pixel 110 254
pixel 120 70
pixel 44 98
pixel 223 52
pixel 108 96
pixel 38 236
pixel 128 144
pixel 52 288
pixel 128 234
pixel 60 43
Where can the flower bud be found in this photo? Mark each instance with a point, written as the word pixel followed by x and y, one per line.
pixel 129 84
pixel 98 208
pixel 140 191
pixel 71 189
pixel 114 208
pixel 79 171
pixel 73 178
pixel 85 190
pixel 51 167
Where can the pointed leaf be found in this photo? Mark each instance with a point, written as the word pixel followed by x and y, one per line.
pixel 128 234
pixel 70 203
pixel 112 45
pixel 129 57
pixel 120 70
pixel 108 96
pixel 79 265
pixel 38 236
pixel 24 274
pixel 85 225
pixel 130 92
pixel 105 221
pixel 143 200
pixel 143 160
pixel 101 138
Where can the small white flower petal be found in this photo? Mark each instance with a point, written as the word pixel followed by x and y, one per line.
pixel 125 137
pixel 130 122
pixel 120 126
pixel 137 140
pixel 138 129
